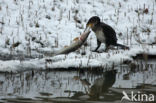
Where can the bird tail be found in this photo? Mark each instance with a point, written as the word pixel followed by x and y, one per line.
pixel 122 46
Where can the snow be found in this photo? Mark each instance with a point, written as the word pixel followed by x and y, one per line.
pixel 43 26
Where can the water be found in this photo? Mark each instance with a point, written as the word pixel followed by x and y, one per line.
pixel 102 86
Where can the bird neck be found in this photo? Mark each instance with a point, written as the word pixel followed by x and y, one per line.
pixel 96 27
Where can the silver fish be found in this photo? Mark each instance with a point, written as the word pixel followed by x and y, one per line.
pixel 74 46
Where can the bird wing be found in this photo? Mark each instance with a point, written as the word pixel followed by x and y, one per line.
pixel 110 33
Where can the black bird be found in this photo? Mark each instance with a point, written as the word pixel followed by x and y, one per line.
pixel 104 33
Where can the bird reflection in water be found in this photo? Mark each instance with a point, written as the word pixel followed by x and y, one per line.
pixel 100 85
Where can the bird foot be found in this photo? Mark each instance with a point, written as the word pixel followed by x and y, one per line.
pixel 95 51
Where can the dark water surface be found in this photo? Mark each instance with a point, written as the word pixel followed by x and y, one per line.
pixel 105 86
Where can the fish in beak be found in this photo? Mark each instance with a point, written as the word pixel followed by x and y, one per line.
pixel 88 27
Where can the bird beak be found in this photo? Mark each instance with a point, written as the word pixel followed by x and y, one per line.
pixel 88 27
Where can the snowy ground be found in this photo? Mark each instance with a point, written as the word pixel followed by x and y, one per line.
pixel 35 27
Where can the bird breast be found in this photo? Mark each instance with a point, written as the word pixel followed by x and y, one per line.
pixel 100 36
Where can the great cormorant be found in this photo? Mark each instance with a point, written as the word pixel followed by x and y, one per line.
pixel 104 33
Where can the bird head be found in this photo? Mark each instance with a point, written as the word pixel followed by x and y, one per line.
pixel 92 22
